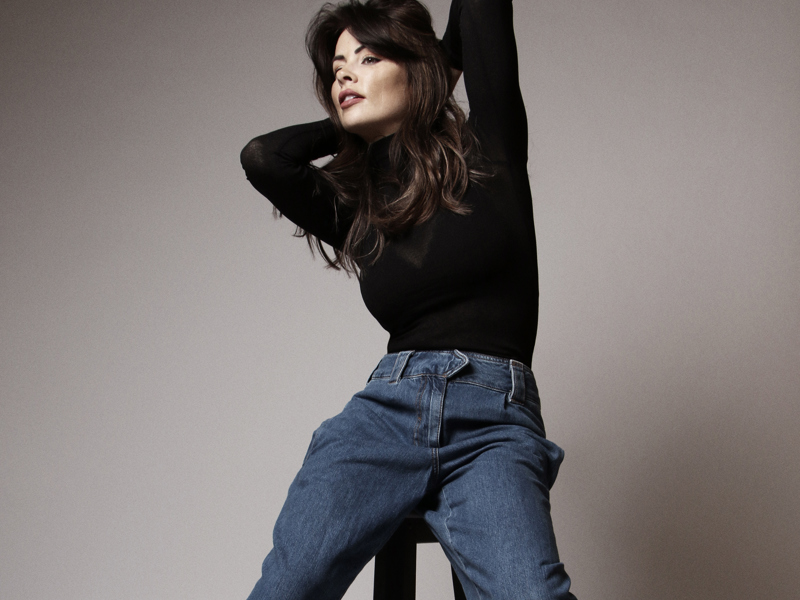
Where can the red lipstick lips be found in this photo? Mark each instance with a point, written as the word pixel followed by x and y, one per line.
pixel 348 98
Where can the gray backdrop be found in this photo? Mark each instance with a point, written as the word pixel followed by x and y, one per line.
pixel 167 348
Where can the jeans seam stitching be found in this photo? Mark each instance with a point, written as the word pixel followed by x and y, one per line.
pixel 481 385
pixel 440 424
pixel 488 357
pixel 456 552
pixel 419 411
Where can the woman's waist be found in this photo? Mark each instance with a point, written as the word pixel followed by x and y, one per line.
pixel 503 374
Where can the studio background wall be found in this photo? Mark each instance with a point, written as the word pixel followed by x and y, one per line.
pixel 167 348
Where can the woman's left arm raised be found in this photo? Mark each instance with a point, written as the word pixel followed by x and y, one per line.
pixel 480 42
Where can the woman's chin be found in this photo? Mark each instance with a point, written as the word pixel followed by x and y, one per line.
pixel 367 135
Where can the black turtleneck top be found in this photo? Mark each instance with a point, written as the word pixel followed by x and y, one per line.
pixel 466 282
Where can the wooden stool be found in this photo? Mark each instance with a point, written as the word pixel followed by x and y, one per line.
pixel 396 563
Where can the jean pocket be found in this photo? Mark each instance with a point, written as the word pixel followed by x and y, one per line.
pixel 527 413
pixel 531 404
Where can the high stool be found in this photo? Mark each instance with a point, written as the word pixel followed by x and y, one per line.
pixel 396 563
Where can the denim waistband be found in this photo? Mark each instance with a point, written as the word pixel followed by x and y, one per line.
pixel 504 374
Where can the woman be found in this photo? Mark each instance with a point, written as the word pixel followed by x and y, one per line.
pixel 433 213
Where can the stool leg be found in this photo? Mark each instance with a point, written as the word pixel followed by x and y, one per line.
pixel 457 589
pixel 396 568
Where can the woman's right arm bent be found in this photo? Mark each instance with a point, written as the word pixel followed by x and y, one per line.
pixel 278 165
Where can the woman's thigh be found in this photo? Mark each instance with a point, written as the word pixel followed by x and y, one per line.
pixel 361 475
pixel 492 510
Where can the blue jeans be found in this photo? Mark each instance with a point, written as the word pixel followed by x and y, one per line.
pixel 456 435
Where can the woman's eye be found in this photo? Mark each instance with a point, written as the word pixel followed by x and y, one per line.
pixel 369 60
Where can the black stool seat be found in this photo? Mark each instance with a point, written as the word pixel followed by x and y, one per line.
pixel 396 563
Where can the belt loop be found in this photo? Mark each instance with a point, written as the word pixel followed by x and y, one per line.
pixel 517 395
pixel 400 365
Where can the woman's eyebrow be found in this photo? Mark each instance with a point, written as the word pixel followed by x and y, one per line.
pixel 341 57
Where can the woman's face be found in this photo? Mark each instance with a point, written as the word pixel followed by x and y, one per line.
pixel 369 92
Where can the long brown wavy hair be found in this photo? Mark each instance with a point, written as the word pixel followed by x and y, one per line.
pixel 434 155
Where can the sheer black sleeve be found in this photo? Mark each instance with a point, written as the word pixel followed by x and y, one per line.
pixel 480 42
pixel 278 165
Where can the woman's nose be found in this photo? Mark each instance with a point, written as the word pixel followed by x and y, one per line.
pixel 343 75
